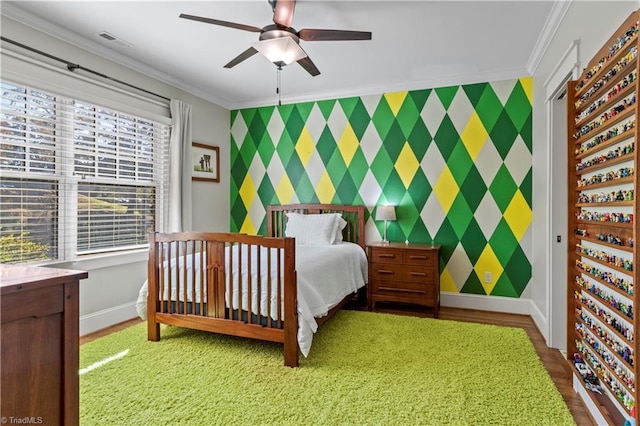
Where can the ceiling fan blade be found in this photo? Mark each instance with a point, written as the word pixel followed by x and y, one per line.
pixel 283 12
pixel 241 57
pixel 308 65
pixel 331 35
pixel 221 23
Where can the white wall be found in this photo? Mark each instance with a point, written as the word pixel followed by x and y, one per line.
pixel 591 23
pixel 108 295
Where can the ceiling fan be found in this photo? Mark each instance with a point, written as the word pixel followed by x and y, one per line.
pixel 283 40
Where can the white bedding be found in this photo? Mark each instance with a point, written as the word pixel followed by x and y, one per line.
pixel 326 275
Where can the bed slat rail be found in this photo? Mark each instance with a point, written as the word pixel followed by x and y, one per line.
pixel 220 267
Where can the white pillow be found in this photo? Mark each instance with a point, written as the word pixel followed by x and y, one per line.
pixel 312 229
pixel 340 224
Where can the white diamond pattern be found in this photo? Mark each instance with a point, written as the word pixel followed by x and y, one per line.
pixel 459 266
pixel 433 113
pixel 518 160
pixel 460 111
pixel 239 130
pixel 487 215
pixel 488 163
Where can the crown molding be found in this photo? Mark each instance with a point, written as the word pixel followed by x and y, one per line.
pixel 449 80
pixel 69 37
pixel 551 25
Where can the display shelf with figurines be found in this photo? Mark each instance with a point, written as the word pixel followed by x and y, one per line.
pixel 602 302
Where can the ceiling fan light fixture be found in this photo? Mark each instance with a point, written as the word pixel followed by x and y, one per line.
pixel 280 50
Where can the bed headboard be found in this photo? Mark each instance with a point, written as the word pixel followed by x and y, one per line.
pixel 354 215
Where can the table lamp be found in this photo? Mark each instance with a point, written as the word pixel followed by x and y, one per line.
pixel 385 213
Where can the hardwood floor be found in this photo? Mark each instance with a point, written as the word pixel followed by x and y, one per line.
pixel 552 358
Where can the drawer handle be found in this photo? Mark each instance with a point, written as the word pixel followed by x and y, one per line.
pixel 417 257
pixel 387 255
pixel 402 290
pixel 385 271
pixel 418 274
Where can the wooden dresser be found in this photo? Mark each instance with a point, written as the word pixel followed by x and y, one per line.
pixel 39 345
pixel 404 273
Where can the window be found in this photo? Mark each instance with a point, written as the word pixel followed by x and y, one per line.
pixel 76 178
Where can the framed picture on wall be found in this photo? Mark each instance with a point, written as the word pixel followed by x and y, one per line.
pixel 205 162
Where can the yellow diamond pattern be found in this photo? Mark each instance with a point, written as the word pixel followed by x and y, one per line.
pixel 474 136
pixel 406 165
pixel 527 85
pixel 348 144
pixel 488 262
pixel 395 101
pixel 305 146
pixel 325 189
pixel 447 283
pixel 518 215
pixel 248 227
pixel 446 189
pixel 285 190
pixel 248 191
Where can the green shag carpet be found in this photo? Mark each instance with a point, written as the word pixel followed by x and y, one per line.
pixel 364 368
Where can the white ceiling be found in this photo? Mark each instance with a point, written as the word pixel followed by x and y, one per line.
pixel 415 44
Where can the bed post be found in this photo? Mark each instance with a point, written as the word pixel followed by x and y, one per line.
pixel 153 328
pixel 290 305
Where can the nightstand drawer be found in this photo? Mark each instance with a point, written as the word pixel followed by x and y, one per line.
pixel 419 257
pixel 382 255
pixel 399 272
pixel 401 288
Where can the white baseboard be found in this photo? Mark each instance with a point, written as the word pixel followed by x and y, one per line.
pixel 540 321
pixel 508 305
pixel 102 319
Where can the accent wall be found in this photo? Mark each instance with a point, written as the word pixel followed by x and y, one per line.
pixel 455 161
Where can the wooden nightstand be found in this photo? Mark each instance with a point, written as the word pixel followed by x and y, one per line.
pixel 405 273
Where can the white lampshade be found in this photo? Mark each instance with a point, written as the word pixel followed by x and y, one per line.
pixel 386 213
pixel 281 49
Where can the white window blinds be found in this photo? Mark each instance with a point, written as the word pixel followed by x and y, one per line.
pixel 76 178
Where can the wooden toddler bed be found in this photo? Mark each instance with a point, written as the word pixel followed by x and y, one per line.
pixel 253 286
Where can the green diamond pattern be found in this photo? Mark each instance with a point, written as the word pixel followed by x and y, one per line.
pixel 474 92
pixel 446 95
pixel 473 188
pixel 473 286
pixel 408 116
pixel 419 139
pixel 503 188
pixel 518 107
pixel 503 242
pixel 394 141
pixel 473 241
pixel 488 108
pixel 446 138
pixel 419 190
pixel 460 163
pixel 326 146
pixel 357 114
pixel 383 118
pixel 421 118
pixel 460 215
pixel 503 135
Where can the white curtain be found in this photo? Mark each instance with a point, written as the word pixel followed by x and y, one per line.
pixel 180 205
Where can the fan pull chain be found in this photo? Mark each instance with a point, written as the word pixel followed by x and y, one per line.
pixel 278 85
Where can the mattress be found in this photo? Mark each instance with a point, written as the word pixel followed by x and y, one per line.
pixel 326 275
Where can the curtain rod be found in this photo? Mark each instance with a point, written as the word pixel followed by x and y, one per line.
pixel 72 67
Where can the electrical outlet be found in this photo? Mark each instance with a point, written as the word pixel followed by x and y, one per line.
pixel 488 277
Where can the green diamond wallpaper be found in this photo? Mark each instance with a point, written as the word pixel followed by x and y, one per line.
pixel 456 161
